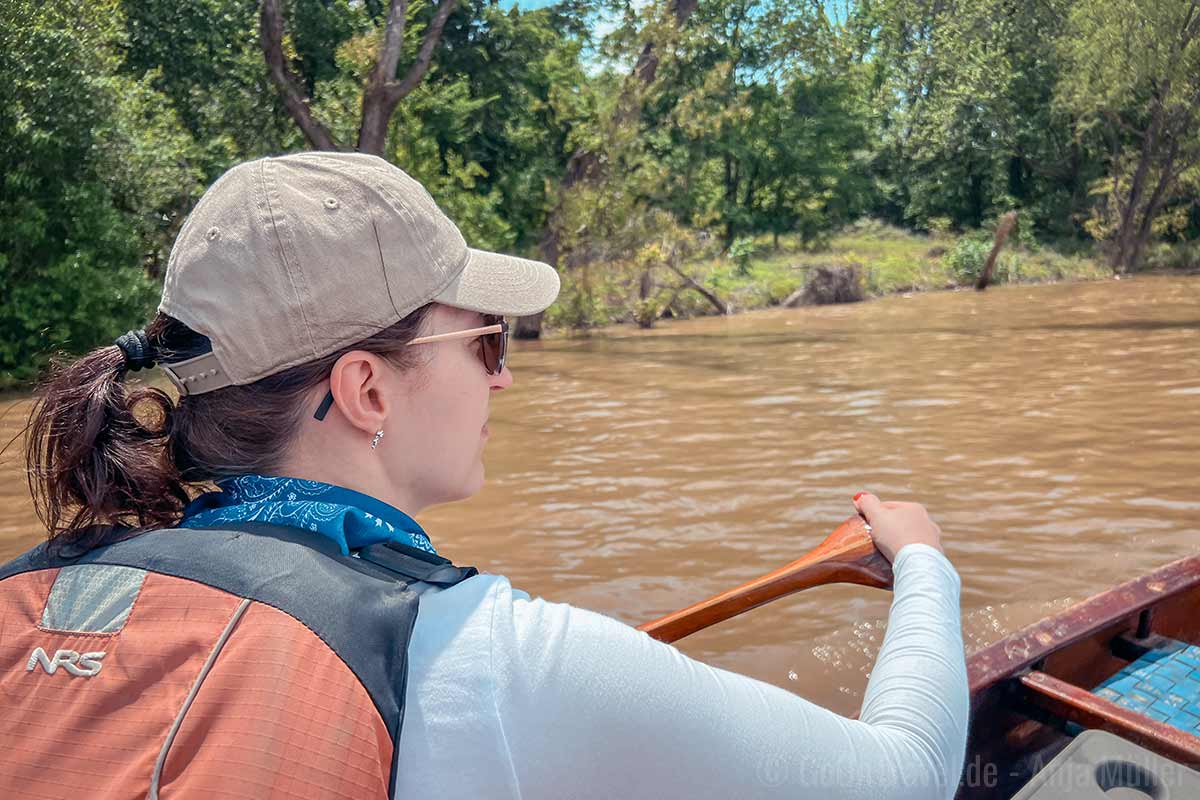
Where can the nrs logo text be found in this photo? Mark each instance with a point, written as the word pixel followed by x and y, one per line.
pixel 80 665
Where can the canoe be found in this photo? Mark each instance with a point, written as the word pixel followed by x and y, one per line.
pixel 1101 664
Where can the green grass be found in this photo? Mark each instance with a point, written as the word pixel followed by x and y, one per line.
pixel 892 260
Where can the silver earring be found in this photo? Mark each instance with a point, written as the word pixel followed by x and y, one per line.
pixel 375 441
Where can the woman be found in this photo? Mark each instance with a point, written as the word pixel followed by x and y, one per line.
pixel 336 345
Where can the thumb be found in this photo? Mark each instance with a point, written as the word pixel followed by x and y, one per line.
pixel 868 505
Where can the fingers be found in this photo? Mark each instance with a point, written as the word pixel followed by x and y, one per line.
pixel 895 524
pixel 868 505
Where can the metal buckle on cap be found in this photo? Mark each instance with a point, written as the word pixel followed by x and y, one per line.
pixel 197 375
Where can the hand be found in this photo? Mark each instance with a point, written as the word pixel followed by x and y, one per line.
pixel 894 524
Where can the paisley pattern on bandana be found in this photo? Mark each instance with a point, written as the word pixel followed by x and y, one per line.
pixel 352 519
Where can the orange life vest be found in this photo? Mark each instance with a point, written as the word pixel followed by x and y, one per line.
pixel 256 661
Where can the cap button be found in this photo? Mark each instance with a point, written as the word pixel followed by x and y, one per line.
pixel 331 202
pixel 213 234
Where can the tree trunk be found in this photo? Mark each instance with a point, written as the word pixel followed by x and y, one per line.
pixel 376 116
pixel 646 285
pixel 382 93
pixel 295 100
pixel 731 186
pixel 1126 231
pixel 1161 189
pixel 748 202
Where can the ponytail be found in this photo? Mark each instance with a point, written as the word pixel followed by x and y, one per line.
pixel 96 451
pixel 103 453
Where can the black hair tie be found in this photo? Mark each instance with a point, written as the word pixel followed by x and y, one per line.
pixel 138 352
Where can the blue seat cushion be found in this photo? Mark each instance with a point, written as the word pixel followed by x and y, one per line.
pixel 1164 684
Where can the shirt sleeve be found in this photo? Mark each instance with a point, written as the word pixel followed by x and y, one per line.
pixel 589 707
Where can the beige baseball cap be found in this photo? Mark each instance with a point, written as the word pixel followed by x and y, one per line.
pixel 287 259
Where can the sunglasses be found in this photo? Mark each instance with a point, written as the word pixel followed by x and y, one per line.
pixel 493 339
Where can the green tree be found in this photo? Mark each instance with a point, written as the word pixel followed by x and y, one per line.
pixel 752 123
pixel 383 86
pixel 94 164
pixel 966 125
pixel 1134 76
pixel 206 58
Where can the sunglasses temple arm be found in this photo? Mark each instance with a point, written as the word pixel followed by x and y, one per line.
pixel 326 404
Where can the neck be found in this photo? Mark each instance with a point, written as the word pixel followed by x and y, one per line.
pixel 361 477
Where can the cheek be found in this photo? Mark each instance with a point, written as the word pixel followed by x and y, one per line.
pixel 449 414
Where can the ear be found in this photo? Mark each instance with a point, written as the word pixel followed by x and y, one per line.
pixel 358 381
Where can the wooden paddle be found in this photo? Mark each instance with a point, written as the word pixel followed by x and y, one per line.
pixel 847 556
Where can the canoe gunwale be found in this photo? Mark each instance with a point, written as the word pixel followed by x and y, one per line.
pixel 1014 733
pixel 1020 651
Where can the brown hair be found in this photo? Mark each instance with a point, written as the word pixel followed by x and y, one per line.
pixel 102 453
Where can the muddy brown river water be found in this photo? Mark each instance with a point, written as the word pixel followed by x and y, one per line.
pixel 1052 431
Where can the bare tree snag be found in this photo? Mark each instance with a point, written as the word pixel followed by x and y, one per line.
pixel 295 99
pixel 1003 229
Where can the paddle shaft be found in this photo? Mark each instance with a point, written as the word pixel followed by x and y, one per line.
pixel 847 556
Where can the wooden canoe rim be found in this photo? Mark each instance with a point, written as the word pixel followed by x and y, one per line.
pixel 1027 687
pixel 1020 651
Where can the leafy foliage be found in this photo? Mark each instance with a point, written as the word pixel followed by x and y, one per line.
pixel 88 169
pixel 693 156
pixel 967 257
pixel 1134 78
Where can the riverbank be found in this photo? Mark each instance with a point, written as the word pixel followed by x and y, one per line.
pixel 889 260
pixel 765 273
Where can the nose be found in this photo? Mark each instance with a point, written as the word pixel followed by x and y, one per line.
pixel 501 381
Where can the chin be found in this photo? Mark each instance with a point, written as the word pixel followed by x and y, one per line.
pixel 475 484
pixel 466 490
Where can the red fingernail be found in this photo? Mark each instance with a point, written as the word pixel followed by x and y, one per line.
pixel 860 494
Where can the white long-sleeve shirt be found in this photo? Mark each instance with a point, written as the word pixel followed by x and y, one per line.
pixel 513 697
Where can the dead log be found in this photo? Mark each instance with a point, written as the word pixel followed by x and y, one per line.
pixel 829 285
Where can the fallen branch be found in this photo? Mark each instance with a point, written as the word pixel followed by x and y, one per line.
pixel 717 303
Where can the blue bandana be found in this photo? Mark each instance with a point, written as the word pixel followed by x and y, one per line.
pixel 350 518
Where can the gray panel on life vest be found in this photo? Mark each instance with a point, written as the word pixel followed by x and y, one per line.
pixel 92 598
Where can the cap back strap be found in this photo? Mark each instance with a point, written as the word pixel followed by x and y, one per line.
pixel 197 375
